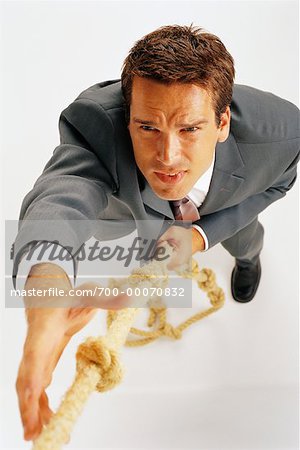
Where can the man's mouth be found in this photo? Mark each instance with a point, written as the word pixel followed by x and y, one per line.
pixel 171 177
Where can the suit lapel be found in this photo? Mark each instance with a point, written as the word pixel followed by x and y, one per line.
pixel 224 183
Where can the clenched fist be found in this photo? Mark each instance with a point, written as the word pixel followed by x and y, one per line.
pixel 185 242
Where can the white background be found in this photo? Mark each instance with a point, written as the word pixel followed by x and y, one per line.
pixel 231 382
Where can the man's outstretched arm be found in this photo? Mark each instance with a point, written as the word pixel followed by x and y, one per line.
pixel 74 185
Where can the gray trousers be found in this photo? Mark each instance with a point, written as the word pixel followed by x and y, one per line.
pixel 247 243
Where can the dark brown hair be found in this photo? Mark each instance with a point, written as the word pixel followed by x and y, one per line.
pixel 184 54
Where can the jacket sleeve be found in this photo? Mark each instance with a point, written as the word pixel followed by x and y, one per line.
pixel 75 183
pixel 223 224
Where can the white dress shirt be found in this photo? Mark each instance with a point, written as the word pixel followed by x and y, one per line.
pixel 198 194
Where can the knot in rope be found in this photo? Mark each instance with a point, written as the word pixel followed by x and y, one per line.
pixel 94 351
pixel 171 332
pixel 216 297
pixel 210 282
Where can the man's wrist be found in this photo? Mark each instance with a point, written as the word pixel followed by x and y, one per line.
pixel 198 243
pixel 46 275
pixel 39 301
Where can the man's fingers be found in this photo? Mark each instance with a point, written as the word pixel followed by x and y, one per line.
pixel 171 241
pixel 33 400
pixel 35 416
pixel 34 375
pixel 45 410
pixel 29 410
pixel 29 386
pixel 30 434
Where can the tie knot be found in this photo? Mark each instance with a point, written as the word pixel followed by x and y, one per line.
pixel 185 209
pixel 181 201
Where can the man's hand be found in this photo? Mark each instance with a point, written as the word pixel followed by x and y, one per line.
pixel 185 242
pixel 49 331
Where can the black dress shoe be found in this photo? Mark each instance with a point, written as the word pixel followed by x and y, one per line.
pixel 245 280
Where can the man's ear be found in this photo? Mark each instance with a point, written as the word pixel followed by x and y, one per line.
pixel 224 126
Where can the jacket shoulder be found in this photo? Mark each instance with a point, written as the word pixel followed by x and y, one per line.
pixel 107 94
pixel 261 117
pixel 94 114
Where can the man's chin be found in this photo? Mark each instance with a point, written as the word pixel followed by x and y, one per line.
pixel 169 194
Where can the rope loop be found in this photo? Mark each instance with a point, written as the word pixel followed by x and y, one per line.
pixel 157 320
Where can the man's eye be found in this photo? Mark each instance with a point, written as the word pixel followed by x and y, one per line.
pixel 191 129
pixel 147 128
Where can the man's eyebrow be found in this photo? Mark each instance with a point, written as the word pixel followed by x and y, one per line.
pixel 192 124
pixel 145 122
pixel 184 125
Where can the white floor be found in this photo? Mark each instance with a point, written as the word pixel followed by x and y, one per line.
pixel 229 383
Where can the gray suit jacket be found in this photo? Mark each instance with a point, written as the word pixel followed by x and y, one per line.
pixel 92 173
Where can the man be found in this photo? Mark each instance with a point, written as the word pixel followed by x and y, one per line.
pixel 168 142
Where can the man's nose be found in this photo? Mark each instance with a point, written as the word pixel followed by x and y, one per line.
pixel 169 151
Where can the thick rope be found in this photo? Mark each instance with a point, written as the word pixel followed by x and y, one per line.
pixel 98 366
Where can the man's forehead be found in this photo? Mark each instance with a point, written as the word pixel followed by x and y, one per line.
pixel 150 111
pixel 150 94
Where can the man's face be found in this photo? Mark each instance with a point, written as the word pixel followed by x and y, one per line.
pixel 174 134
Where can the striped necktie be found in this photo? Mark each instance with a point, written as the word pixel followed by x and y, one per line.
pixel 185 209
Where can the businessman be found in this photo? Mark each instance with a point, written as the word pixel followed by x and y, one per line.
pixel 173 140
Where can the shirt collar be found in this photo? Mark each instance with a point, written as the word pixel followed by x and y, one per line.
pixel 202 184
